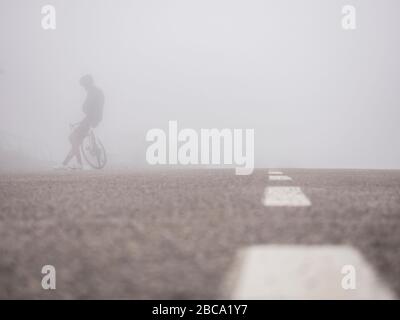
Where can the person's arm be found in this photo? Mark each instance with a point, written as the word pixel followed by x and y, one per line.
pixel 85 107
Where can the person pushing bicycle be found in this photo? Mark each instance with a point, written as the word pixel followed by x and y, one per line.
pixel 93 110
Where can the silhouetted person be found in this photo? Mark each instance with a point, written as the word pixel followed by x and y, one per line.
pixel 93 110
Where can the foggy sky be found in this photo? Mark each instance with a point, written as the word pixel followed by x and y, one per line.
pixel 316 95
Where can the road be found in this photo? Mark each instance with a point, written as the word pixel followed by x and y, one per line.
pixel 175 234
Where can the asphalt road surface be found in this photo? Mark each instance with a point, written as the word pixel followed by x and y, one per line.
pixel 175 234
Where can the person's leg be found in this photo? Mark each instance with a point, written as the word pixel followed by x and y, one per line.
pixel 74 152
pixel 73 139
pixel 76 139
pixel 78 155
pixel 81 133
pixel 69 156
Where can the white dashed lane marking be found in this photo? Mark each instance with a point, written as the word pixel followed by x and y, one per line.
pixel 303 272
pixel 285 196
pixel 275 172
pixel 279 178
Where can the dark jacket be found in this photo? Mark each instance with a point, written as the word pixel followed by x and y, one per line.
pixel 93 106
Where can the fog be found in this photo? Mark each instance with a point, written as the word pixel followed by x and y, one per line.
pixel 316 95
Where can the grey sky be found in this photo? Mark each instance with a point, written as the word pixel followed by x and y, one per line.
pixel 317 96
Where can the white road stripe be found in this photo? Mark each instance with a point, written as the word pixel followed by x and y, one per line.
pixel 285 196
pixel 280 178
pixel 275 172
pixel 302 272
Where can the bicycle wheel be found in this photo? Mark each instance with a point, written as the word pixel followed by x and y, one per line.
pixel 93 151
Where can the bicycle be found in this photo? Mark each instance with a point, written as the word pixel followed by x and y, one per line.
pixel 92 149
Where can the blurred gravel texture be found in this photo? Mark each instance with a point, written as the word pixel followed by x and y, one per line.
pixel 174 234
